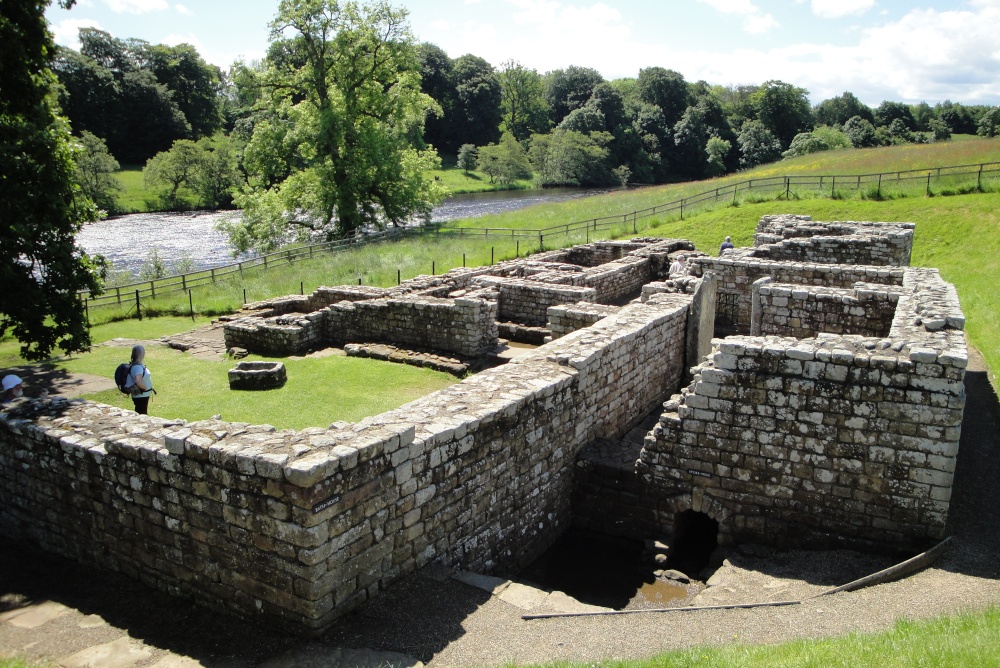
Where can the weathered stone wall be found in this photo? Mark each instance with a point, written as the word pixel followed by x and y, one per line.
pixel 830 440
pixel 528 301
pixel 618 280
pixel 464 326
pixel 738 272
pixel 301 526
pixel 289 334
pixel 789 238
pixel 804 312
pixel 568 318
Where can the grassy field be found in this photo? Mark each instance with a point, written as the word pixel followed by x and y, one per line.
pixel 318 391
pixel 458 181
pixel 845 161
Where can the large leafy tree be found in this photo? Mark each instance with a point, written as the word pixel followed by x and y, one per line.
pixel 436 81
pixel 838 110
pixel 569 89
pixel 41 268
pixel 783 109
pixel 522 100
pixel 336 148
pixel 477 113
pixel 665 89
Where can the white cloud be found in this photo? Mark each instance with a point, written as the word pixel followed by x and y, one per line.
pixel 190 38
pixel 182 9
pixel 835 9
pixel 755 21
pixel 136 6
pixel 67 32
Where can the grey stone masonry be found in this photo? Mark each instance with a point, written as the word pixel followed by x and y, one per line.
pixel 791 238
pixel 805 311
pixel 463 325
pixel 567 318
pixel 299 527
pixel 825 440
pixel 738 271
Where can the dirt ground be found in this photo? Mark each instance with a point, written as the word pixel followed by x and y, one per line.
pixel 70 613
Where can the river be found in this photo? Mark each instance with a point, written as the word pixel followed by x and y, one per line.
pixel 190 241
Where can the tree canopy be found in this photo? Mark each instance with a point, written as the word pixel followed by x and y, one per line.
pixel 41 268
pixel 336 145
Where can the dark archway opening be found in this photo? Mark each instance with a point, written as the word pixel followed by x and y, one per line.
pixel 696 535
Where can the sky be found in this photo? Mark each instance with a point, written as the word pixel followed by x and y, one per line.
pixel 923 50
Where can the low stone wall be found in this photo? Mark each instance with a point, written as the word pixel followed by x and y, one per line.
pixel 568 318
pixel 299 527
pixel 804 312
pixel 790 238
pixel 464 326
pixel 737 274
pixel 618 280
pixel 283 335
pixel 527 301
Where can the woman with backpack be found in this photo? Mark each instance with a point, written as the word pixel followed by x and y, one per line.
pixel 138 376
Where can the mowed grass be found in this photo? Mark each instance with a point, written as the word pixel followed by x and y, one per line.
pixel 966 640
pixel 459 181
pixel 319 390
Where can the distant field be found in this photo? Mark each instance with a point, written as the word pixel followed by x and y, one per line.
pixel 457 181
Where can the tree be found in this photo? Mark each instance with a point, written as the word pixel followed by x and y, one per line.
pixel 505 162
pixel 757 145
pixel 717 150
pixel 344 114
pixel 567 157
pixel 466 157
pixel 837 110
pixel 989 123
pixel 939 129
pixel 665 89
pixel 569 89
pixel 436 81
pixel 900 132
pixel 194 85
pixel 584 119
pixel 217 172
pixel 783 109
pixel 478 97
pixel 888 111
pixel 95 172
pixel 522 100
pixel 860 132
pixel 174 168
pixel 805 143
pixel 41 268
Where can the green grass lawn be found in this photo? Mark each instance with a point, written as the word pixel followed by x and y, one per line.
pixel 458 181
pixel 319 390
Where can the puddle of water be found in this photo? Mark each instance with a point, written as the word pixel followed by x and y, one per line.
pixel 607 573
pixel 661 594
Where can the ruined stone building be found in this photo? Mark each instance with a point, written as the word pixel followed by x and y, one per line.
pixel 829 414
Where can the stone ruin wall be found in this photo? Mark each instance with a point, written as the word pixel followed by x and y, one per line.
pixel 463 326
pixel 567 318
pixel 789 238
pixel 299 527
pixel 738 274
pixel 803 312
pixel 424 312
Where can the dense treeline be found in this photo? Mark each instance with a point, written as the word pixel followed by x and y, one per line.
pixel 208 134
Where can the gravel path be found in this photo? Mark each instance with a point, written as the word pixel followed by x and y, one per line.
pixel 444 622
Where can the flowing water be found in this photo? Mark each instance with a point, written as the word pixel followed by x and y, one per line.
pixel 189 240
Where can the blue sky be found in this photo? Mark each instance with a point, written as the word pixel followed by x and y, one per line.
pixel 877 49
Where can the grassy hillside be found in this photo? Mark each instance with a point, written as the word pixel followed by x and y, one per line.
pixel 847 161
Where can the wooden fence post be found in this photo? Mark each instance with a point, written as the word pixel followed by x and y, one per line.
pixel 138 306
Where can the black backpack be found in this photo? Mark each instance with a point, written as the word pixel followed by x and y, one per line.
pixel 121 377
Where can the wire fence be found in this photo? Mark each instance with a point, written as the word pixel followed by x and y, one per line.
pixel 877 186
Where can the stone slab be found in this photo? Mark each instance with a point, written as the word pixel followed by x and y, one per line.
pixel 313 655
pixel 121 653
pixel 33 616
